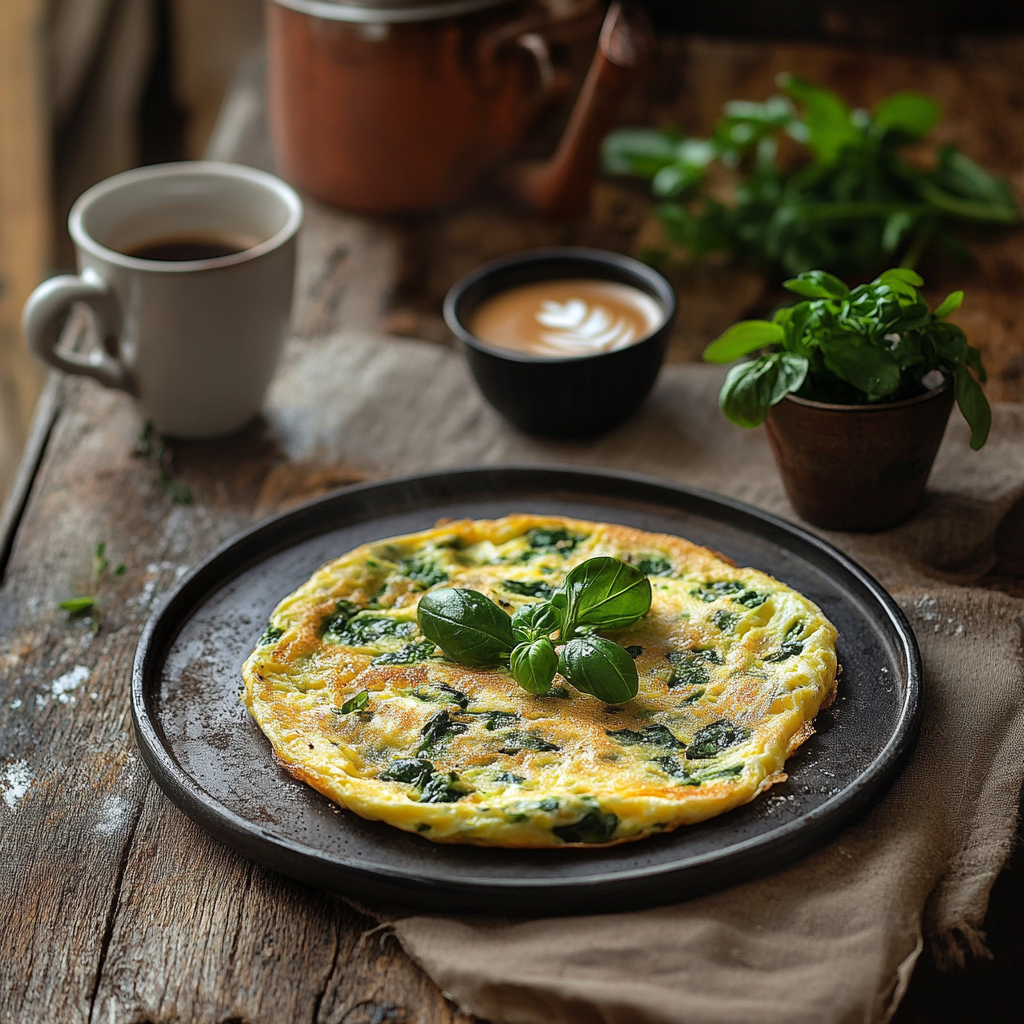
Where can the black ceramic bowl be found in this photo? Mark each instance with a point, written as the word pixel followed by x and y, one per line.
pixel 577 395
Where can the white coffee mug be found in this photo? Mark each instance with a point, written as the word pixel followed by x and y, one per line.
pixel 196 341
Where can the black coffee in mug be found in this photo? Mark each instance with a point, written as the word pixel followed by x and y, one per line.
pixel 179 248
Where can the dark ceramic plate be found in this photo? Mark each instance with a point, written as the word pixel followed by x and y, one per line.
pixel 214 763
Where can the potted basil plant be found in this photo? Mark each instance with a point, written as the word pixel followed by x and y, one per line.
pixel 855 387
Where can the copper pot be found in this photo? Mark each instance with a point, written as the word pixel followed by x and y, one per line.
pixel 387 106
pixel 857 467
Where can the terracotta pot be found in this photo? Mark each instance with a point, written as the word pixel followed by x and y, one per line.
pixel 389 106
pixel 857 467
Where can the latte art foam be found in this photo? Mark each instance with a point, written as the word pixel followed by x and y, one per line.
pixel 577 317
pixel 579 328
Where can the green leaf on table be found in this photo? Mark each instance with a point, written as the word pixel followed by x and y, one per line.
pixel 468 627
pixel 752 388
pixel 912 113
pixel 963 189
pixel 974 406
pixel 601 668
pixel 741 339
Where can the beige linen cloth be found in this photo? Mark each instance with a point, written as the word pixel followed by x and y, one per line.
pixel 835 936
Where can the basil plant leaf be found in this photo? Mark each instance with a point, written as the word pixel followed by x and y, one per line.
pixel 604 593
pixel 817 284
pixel 912 113
pixel 468 627
pixel 900 275
pixel 974 406
pixel 752 388
pixel 962 179
pixel 534 665
pixel 871 369
pixel 676 178
pixel 950 304
pixel 601 668
pixel 741 339
pixel 974 362
pixel 830 129
pixel 643 151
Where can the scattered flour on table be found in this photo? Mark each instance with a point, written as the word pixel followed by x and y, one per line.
pixel 112 815
pixel 154 572
pixel 16 779
pixel 63 686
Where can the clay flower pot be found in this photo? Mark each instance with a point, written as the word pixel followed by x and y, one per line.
pixel 858 467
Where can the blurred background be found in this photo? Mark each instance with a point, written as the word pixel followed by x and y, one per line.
pixel 92 87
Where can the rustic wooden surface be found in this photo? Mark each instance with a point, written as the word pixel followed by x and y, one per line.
pixel 116 909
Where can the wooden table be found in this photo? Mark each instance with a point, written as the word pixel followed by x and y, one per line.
pixel 115 908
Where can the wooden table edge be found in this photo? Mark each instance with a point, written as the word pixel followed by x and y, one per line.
pixel 47 409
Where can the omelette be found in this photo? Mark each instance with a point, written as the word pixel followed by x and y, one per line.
pixel 733 666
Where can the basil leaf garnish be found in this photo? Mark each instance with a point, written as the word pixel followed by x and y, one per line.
pixel 601 668
pixel 468 627
pixel 600 593
pixel 605 593
pixel 534 665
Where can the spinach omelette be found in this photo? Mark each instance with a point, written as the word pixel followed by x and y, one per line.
pixel 733 666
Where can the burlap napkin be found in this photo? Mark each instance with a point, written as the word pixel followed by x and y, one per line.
pixel 835 936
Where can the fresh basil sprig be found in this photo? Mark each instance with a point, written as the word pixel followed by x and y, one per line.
pixel 600 593
pixel 851 203
pixel 873 343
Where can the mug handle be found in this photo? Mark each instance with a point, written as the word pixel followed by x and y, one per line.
pixel 42 322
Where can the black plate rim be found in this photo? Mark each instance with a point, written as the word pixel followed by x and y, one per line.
pixel 297 859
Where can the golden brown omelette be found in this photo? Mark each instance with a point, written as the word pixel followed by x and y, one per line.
pixel 733 666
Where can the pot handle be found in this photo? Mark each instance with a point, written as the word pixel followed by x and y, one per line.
pixel 560 187
pixel 560 21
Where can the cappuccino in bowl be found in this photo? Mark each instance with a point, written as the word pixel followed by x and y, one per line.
pixel 563 342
